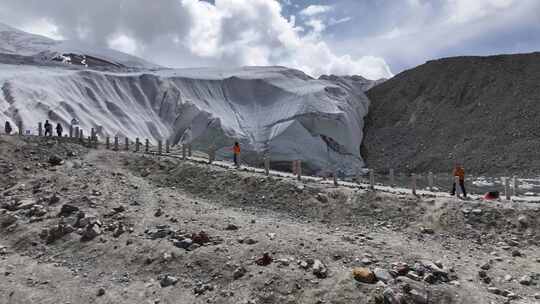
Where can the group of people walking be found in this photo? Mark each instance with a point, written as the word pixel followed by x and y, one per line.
pixel 48 127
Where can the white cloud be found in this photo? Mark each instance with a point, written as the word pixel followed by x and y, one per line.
pixel 189 33
pixel 333 21
pixel 255 32
pixel 462 11
pixel 44 28
pixel 123 43
pixel 313 10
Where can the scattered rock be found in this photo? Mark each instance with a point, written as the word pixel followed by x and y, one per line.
pixel 8 220
pixel 523 221
pixel 516 253
pixel 56 233
pixel 101 292
pixel 231 227
pixel 158 212
pixel 525 280
pixel 239 272
pixel 184 244
pixel 67 210
pixel 167 280
pixel 319 269
pixel 364 275
pixel 265 260
pixel 427 230
pixel 55 160
pixel 91 231
pixel 382 275
pixel 200 238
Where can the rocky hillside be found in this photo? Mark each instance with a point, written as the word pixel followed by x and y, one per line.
pixel 482 111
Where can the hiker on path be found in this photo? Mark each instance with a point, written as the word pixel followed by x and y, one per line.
pixel 48 128
pixel 59 130
pixel 460 173
pixel 236 154
pixel 8 128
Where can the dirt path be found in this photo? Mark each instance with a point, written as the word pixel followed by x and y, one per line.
pixel 148 208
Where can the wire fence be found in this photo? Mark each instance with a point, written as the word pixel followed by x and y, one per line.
pixel 510 186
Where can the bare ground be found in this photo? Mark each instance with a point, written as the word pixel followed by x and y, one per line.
pixel 143 210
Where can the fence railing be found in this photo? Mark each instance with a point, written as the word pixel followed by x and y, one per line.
pixel 372 180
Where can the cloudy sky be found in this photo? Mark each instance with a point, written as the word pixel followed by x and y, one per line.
pixel 373 38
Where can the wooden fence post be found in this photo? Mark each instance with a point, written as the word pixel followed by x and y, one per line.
pixel 81 136
pixel 107 143
pixel 115 143
pixel 126 144
pixel 167 146
pixel 211 154
pixel 89 141
pixel 40 129
pixel 392 178
pixel 20 126
pixel 413 184
pixel 147 145
pixel 515 186
pixel 76 132
pixel 70 130
pixel 507 188
pixel 430 181
pixel 184 151
pixel 334 176
pixel 160 144
pixel 137 143
pixel 189 150
pixel 371 179
pixel 267 165
pixel 299 170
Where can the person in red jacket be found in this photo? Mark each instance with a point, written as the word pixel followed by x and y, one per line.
pixel 460 173
pixel 236 154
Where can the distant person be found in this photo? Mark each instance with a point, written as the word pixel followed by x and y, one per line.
pixel 460 173
pixel 48 128
pixel 59 130
pixel 74 122
pixel 236 154
pixel 8 128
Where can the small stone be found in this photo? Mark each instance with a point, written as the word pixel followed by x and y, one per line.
pixel 523 220
pixel 101 292
pixel 250 241
pixel 231 227
pixel 516 253
pixel 8 220
pixel 319 269
pixel 366 261
pixel 184 244
pixel 382 275
pixel 239 272
pixel 265 260
pixel 537 296
pixel 167 280
pixel 508 278
pixel 494 290
pixel 477 211
pixel 90 232
pixel 525 280
pixel 486 266
pixel 158 212
pixel 67 210
pixel 55 160
pixel 430 278
pixel 364 275
pixel 427 230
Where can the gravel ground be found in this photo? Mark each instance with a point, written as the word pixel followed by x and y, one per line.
pixel 94 226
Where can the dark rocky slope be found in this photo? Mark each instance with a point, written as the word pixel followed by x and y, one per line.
pixel 483 111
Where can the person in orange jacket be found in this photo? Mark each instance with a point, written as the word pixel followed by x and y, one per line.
pixel 460 173
pixel 236 153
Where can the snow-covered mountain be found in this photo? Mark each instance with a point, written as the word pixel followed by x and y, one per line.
pixel 272 110
pixel 17 42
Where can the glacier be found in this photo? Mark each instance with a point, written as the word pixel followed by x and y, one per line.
pixel 272 111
